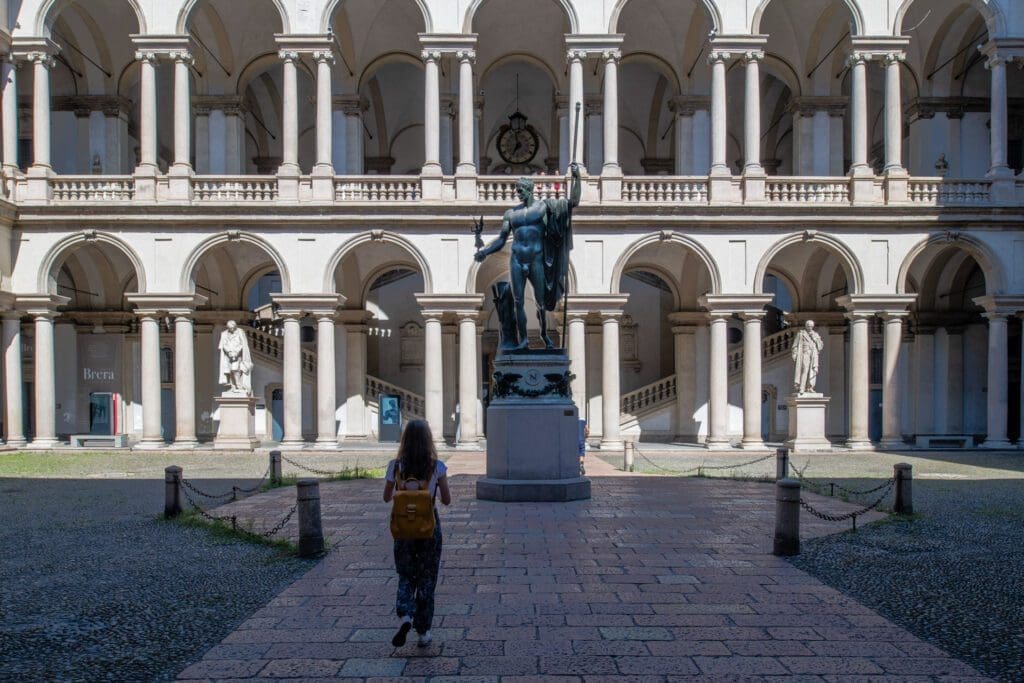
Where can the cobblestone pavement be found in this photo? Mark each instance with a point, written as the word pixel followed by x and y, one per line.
pixel 93 586
pixel 653 578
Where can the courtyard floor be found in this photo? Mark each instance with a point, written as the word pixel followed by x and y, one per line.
pixel 656 577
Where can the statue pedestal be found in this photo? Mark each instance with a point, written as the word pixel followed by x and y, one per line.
pixel 807 423
pixel 237 429
pixel 532 431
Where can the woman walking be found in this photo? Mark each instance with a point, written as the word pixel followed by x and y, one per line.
pixel 417 561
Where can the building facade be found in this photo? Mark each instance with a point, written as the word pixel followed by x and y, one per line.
pixel 312 169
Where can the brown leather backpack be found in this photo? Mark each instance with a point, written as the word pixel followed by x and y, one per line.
pixel 412 512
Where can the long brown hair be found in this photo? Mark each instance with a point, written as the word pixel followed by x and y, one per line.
pixel 417 457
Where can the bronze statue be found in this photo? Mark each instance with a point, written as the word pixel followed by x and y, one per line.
pixel 542 240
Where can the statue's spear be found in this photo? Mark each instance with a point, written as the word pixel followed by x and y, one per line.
pixel 565 285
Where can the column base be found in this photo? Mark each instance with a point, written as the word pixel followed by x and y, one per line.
pixel 37 188
pixel 360 437
pixel 752 445
pixel 179 183
pixel 145 182
pixel 326 444
pixel 611 183
pixel 858 445
pixel 322 180
pixel 21 443
pixel 897 185
pixel 891 443
pixel 718 444
pixel 465 183
pixel 612 445
pixel 472 445
pixel 288 183
pixel 1000 444
pixel 723 188
pixel 292 444
pixel 149 445
pixel 184 444
pixel 43 444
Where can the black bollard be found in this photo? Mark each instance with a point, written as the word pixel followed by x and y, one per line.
pixel 311 534
pixel 787 518
pixel 275 468
pixel 903 499
pixel 627 456
pixel 172 491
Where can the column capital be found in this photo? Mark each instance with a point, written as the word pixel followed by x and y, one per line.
pixel 430 55
pixel 466 54
pixel 688 105
pixel 573 55
pixel 857 59
pixel 181 56
pixel 893 58
pixel 752 56
pixel 893 314
pixel 584 304
pixel 735 304
pixel 34 49
pixel 314 304
pixel 687 319
pixel 147 56
pixel 45 59
pixel 719 57
pixel 171 303
pixel 287 56
pixel 876 304
pixel 612 55
pixel 1000 305
pixel 41 305
pixel 324 55
pixel 440 305
pixel 350 105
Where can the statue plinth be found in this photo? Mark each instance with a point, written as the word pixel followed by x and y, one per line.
pixel 237 428
pixel 532 431
pixel 807 423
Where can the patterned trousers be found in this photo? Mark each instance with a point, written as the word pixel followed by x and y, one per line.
pixel 417 563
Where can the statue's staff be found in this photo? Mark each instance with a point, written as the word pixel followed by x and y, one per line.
pixel 565 285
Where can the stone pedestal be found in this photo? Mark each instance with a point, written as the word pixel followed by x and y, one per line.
pixel 237 429
pixel 807 423
pixel 532 432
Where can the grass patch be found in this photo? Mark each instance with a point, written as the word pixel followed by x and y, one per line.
pixel 347 474
pixel 223 532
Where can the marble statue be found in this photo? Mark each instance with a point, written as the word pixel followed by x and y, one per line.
pixel 805 350
pixel 542 239
pixel 235 361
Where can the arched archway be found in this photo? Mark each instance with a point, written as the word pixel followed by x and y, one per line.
pixel 851 6
pixel 565 5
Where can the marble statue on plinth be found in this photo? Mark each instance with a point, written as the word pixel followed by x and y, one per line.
pixel 542 239
pixel 805 352
pixel 235 361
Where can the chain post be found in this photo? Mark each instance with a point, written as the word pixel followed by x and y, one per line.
pixel 627 454
pixel 781 463
pixel 234 493
pixel 903 501
pixel 275 468
pixel 787 518
pixel 172 491
pixel 311 534
pixel 831 489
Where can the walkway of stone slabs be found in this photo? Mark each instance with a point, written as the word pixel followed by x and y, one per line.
pixel 654 578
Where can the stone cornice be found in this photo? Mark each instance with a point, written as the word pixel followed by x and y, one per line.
pixel 878 47
pixel 314 304
pixel 739 304
pixel 168 302
pixel 447 43
pixel 809 105
pixel 1000 304
pixel 304 43
pixel 877 304
pixel 594 44
pixel 161 45
pixel 40 304
pixel 23 46
pixel 736 46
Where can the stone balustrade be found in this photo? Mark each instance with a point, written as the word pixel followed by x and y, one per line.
pixel 639 190
pixel 650 395
pixel 412 404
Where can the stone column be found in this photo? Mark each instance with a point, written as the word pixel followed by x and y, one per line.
pixel 184 381
pixel 860 381
pixel 719 165
pixel 468 362
pixel 467 162
pixel 290 125
pixel 432 125
pixel 433 375
pixel 684 348
pixel 326 392
pixel 324 124
pixel 925 390
pixel 577 334
pixel 940 382
pixel 355 372
pixel 182 112
pixel 998 371
pixel 752 380
pixel 718 399
pixel 12 379
pixel 892 436
pixel 147 110
pixel 575 59
pixel 292 381
pixel 41 65
pixel 353 108
pixel 611 397
pixel 149 348
pixel 611 112
pixel 859 114
pixel 752 114
pixel 202 114
pixel 893 114
pixel 10 115
pixel 998 127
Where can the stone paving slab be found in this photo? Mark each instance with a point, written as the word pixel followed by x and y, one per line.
pixel 653 579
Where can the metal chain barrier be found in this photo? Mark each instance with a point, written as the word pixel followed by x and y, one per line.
pixel 186 484
pixel 280 525
pixel 307 468
pixel 863 493
pixel 849 515
pixel 833 487
pixel 701 468
pixel 255 488
pixel 234 519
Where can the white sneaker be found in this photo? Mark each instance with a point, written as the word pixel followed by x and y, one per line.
pixel 425 639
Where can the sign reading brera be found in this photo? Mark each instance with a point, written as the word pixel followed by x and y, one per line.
pixel 88 374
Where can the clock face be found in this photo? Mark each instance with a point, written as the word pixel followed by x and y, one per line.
pixel 517 147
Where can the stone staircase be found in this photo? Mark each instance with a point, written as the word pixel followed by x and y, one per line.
pixel 268 345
